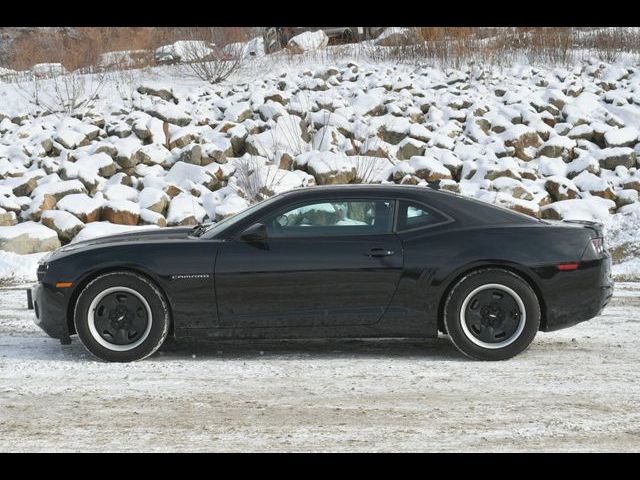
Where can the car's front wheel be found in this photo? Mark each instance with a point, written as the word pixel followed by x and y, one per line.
pixel 492 314
pixel 121 317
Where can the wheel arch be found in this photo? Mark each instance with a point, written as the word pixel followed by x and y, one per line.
pixel 516 269
pixel 93 275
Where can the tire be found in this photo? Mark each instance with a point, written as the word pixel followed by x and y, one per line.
pixel 492 314
pixel 121 317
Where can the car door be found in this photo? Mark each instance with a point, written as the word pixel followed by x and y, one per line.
pixel 322 263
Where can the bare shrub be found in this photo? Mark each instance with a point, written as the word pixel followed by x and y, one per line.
pixel 205 56
pixel 71 93
pixel 455 46
pixel 255 180
pixel 366 168
pixel 126 82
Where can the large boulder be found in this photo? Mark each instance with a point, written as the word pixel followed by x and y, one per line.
pixel 396 36
pixel 613 157
pixel 162 91
pixel 121 212
pixel 59 189
pixel 66 225
pixel 41 203
pixel 84 207
pixel 154 199
pixel 622 137
pixel 523 140
pixel 307 41
pixel 327 167
pixel 561 188
pixel 7 218
pixel 28 237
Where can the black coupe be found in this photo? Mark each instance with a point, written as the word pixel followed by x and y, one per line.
pixel 325 262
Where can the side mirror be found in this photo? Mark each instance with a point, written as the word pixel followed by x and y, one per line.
pixel 255 233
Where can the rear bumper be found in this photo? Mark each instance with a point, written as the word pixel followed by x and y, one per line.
pixel 572 297
pixel 50 312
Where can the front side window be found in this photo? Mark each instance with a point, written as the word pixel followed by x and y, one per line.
pixel 414 215
pixel 333 217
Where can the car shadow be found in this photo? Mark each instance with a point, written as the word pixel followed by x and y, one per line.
pixel 437 349
pixel 36 348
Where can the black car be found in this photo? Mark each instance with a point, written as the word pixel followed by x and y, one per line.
pixel 326 262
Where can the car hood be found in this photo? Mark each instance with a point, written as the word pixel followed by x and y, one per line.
pixel 140 236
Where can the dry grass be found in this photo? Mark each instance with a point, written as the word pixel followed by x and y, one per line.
pixel 454 46
pixel 81 47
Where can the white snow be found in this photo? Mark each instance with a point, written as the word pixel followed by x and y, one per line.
pixel 19 268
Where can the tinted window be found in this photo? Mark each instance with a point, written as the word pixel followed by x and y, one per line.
pixel 414 215
pixel 333 217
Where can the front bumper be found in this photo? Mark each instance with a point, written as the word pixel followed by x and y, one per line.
pixel 49 307
pixel 576 296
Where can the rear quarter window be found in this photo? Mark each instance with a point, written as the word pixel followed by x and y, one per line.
pixel 415 215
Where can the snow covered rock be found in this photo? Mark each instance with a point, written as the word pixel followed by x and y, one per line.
pixel 121 192
pixel 66 225
pixel 40 203
pixel 121 212
pixel 7 218
pixel 592 209
pixel 170 113
pixel 523 140
pixel 162 91
pixel 152 154
pixel 154 199
pixel 424 167
pixel 59 189
pixel 307 41
pixel 28 237
pixel 238 112
pixel 561 188
pixel 84 207
pixel 149 217
pixel 21 186
pixel 231 205
pixel 610 158
pixel 185 175
pixel 185 209
pixel 327 167
pixel 623 137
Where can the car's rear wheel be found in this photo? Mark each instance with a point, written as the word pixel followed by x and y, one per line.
pixel 492 314
pixel 121 317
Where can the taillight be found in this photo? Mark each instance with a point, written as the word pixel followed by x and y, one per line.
pixel 598 245
pixel 568 266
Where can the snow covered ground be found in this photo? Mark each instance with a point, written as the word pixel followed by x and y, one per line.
pixel 573 390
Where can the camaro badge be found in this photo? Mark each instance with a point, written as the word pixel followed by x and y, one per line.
pixel 191 276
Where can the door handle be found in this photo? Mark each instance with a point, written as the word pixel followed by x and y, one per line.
pixel 380 252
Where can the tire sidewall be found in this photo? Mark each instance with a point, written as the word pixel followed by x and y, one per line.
pixel 153 296
pixel 467 284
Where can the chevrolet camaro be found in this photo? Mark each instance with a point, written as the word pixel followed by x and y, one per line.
pixel 351 261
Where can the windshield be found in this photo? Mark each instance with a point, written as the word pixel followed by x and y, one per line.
pixel 218 227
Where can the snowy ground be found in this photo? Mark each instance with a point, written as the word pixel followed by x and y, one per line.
pixel 577 390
